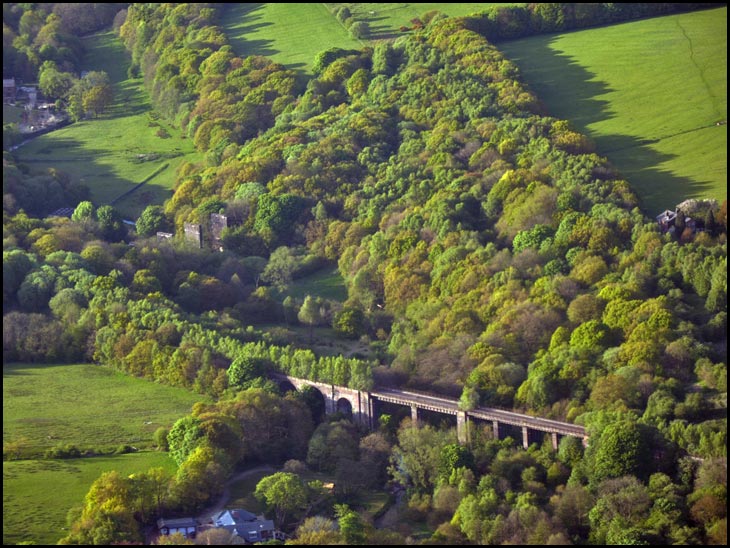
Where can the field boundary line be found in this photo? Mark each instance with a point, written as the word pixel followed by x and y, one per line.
pixel 658 139
pixel 700 70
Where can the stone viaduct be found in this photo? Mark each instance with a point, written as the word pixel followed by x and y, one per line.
pixel 360 405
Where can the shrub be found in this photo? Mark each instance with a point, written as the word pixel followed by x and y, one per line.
pixel 160 438
pixel 350 323
pixel 67 451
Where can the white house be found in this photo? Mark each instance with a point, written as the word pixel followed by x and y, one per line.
pixel 246 525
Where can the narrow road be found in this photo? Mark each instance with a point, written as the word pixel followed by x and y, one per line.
pixel 207 516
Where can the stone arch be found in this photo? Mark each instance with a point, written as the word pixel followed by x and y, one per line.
pixel 315 400
pixel 286 386
pixel 344 406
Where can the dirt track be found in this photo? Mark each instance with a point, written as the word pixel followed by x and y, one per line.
pixel 207 516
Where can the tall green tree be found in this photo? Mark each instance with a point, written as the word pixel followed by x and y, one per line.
pixel 151 221
pixel 280 268
pixel 111 223
pixel 622 449
pixel 310 314
pixel 84 212
pixel 416 459
pixel 283 493
pixel 351 524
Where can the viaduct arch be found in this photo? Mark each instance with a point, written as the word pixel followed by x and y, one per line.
pixel 352 402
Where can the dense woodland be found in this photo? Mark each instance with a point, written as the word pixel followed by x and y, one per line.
pixel 489 252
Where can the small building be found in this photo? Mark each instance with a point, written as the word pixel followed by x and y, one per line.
pixel 187 526
pixel 218 223
pixel 666 219
pixel 246 525
pixel 9 90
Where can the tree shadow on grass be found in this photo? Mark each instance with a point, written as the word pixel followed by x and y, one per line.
pixel 94 168
pixel 240 21
pixel 130 99
pixel 383 31
pixel 17 369
pixel 107 53
pixel 569 91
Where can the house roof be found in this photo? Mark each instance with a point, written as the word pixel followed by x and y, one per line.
pixel 666 216
pixel 258 525
pixel 243 522
pixel 176 523
pixel 242 515
pixel 235 516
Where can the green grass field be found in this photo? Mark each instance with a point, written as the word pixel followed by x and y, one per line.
pixel 113 153
pixel 86 405
pixel 37 495
pixel 290 34
pixel 385 20
pixel 650 93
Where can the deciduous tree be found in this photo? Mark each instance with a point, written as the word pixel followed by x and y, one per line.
pixel 283 493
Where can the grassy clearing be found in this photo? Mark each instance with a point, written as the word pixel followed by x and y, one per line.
pixel 37 495
pixel 85 405
pixel 385 20
pixel 326 283
pixel 650 93
pixel 113 153
pixel 291 34
pixel 323 341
